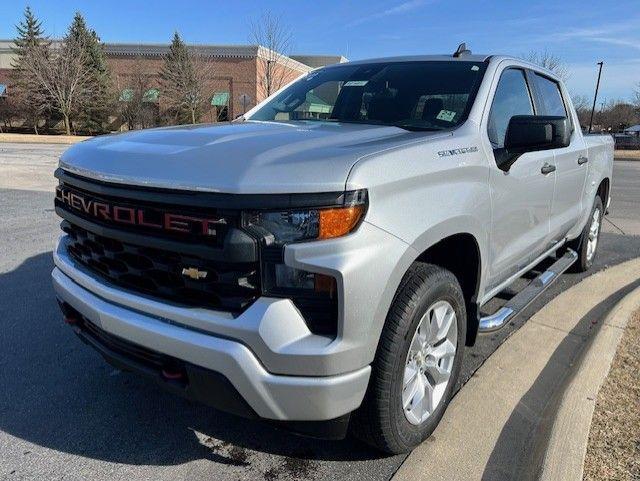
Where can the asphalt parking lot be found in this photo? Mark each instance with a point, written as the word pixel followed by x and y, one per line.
pixel 66 414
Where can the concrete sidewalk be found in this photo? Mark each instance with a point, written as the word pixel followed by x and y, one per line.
pixel 498 425
pixel 626 155
pixel 41 139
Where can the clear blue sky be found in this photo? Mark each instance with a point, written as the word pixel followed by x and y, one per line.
pixel 581 32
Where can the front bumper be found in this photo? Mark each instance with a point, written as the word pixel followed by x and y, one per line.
pixel 282 370
pixel 270 396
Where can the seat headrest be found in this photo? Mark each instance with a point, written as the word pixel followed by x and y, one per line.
pixel 432 108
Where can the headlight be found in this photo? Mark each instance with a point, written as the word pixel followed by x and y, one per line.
pixel 289 226
pixel 313 293
pixel 308 224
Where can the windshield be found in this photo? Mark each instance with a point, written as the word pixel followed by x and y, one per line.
pixel 427 95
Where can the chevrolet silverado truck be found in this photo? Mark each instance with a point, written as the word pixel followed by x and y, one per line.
pixel 323 261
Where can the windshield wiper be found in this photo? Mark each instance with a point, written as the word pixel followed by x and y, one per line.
pixel 311 119
pixel 417 128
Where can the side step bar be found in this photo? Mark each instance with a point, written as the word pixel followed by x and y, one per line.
pixel 528 294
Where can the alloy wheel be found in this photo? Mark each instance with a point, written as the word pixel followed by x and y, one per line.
pixel 429 362
pixel 594 231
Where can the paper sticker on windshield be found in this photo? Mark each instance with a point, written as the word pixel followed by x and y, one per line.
pixel 356 83
pixel 446 115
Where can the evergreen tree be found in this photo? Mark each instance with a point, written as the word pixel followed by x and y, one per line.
pixel 184 80
pixel 30 33
pixel 95 116
pixel 28 96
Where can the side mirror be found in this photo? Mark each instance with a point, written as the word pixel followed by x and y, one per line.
pixel 531 133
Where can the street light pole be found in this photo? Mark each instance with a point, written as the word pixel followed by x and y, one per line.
pixel 595 96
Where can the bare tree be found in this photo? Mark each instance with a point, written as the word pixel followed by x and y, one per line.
pixel 549 61
pixel 64 77
pixel 582 105
pixel 617 115
pixel 8 111
pixel 185 80
pixel 269 32
pixel 28 97
pixel 137 109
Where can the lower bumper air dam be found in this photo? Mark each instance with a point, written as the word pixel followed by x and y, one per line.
pixel 187 380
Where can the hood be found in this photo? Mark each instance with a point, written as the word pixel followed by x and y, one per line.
pixel 247 157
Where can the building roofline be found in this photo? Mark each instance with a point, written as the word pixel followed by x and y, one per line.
pixel 128 49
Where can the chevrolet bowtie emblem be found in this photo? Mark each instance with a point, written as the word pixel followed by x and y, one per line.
pixel 194 273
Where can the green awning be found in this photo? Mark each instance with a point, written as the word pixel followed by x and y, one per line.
pixel 151 95
pixel 318 105
pixel 126 95
pixel 220 99
pixel 320 108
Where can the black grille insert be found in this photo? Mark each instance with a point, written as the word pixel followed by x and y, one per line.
pixel 159 273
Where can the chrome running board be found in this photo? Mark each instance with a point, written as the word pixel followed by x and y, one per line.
pixel 520 301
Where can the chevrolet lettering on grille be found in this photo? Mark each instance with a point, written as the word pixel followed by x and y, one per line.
pixel 108 212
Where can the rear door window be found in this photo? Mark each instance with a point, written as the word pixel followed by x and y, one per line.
pixel 550 98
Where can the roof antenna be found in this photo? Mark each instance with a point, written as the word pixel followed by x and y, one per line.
pixel 462 50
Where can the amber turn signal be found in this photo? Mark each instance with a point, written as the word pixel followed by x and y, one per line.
pixel 340 221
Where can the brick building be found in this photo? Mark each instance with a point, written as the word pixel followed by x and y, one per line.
pixel 235 80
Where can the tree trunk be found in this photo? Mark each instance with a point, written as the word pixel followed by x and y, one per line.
pixel 193 116
pixel 67 124
pixel 35 127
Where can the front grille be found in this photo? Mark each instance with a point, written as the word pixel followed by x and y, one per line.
pixel 189 248
pixel 159 272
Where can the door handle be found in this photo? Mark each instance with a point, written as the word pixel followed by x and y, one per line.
pixel 582 160
pixel 547 168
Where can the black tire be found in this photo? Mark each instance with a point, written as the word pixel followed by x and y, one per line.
pixel 381 420
pixel 580 245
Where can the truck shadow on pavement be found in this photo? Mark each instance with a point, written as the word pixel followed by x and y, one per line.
pixel 60 394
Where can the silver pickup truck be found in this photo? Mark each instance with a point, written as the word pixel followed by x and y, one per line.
pixel 322 262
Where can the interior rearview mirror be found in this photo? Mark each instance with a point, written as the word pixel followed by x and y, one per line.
pixel 530 133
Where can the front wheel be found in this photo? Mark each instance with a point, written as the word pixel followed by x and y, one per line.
pixel 417 362
pixel 587 244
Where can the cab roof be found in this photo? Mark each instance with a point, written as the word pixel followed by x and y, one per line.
pixel 422 58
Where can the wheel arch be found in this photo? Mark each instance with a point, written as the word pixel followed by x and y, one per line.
pixel 460 253
pixel 603 191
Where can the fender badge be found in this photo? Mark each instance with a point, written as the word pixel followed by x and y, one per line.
pixel 463 150
pixel 194 273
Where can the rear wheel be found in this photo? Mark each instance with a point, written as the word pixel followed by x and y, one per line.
pixel 417 363
pixel 587 244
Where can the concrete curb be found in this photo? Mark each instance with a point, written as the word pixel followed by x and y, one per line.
pixel 565 454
